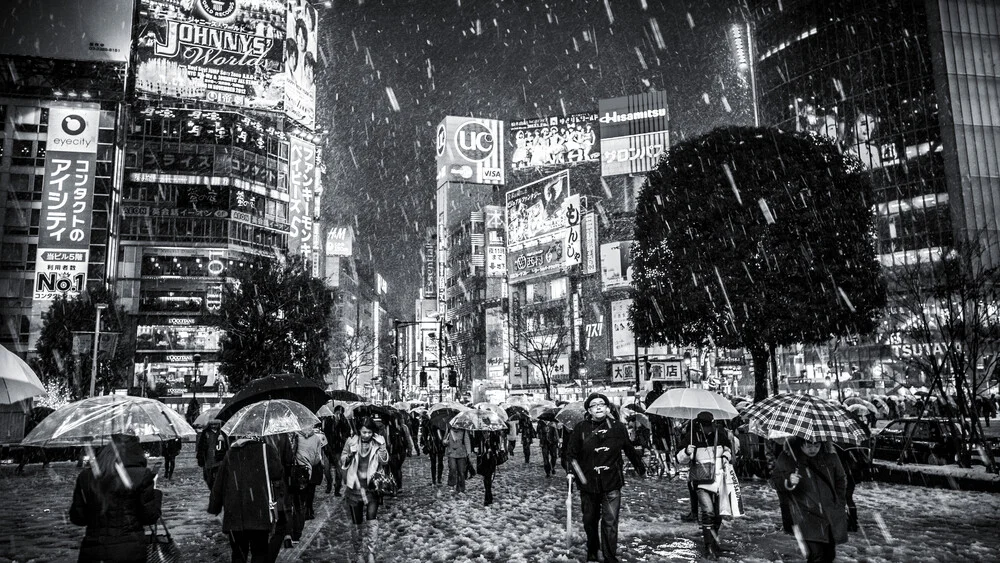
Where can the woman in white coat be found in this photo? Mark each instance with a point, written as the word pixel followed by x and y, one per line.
pixel 705 444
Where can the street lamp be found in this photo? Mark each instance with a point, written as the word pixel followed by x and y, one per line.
pixel 97 338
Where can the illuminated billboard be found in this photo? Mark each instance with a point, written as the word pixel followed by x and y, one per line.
pixel 543 227
pixel 634 132
pixel 300 63
pixel 340 241
pixel 67 203
pixel 301 183
pixel 222 51
pixel 616 264
pixel 87 30
pixel 553 141
pixel 470 150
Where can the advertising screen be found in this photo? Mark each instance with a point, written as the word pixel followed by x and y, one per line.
pixel 557 140
pixel 538 209
pixel 222 51
pixel 616 264
pixel 634 132
pixel 67 203
pixel 88 30
pixel 300 63
pixel 470 150
pixel 634 154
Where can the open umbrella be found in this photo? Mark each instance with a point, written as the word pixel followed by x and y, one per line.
pixel 345 395
pixel 269 417
pixel 687 403
pixel 639 418
pixel 94 420
pixel 206 415
pixel 805 416
pixel 324 411
pixel 447 405
pixel 549 414
pixel 855 400
pixel 359 411
pixel 478 419
pixel 536 410
pixel 859 409
pixel 290 387
pixel 636 407
pixel 515 411
pixel 402 406
pixel 17 380
pixel 494 408
pixel 571 414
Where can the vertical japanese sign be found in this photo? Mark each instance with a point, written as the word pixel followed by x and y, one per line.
pixel 301 180
pixel 430 271
pixel 496 242
pixel 67 203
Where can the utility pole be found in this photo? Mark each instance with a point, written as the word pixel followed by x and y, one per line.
pixel 97 337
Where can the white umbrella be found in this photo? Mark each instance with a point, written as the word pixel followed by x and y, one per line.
pixel 17 381
pixel 265 418
pixel 96 419
pixel 687 403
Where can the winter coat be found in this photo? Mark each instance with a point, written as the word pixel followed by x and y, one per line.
pixel 114 511
pixel 211 448
pixel 337 431
pixel 723 451
pixel 487 447
pixel 548 434
pixel 818 502
pixel 597 448
pixel 457 443
pixel 241 486
pixel 350 460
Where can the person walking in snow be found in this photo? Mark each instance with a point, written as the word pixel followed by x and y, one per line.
pixel 595 453
pixel 211 450
pixel 512 429
pixel 527 434
pixel 458 450
pixel 309 459
pixel 337 430
pixel 706 444
pixel 432 440
pixel 817 487
pixel 548 439
pixel 362 456
pixel 489 449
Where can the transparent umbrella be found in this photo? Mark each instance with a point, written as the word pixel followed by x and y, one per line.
pixel 94 420
pixel 17 380
pixel 493 408
pixel 206 415
pixel 265 418
pixel 572 414
pixel 478 419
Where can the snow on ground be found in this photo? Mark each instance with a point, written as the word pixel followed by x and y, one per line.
pixel 526 523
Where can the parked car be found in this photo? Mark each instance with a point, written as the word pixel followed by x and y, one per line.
pixel 932 441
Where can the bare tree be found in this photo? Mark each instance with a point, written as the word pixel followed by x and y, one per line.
pixel 945 322
pixel 353 351
pixel 541 337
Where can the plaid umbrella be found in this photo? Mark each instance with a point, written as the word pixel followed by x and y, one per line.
pixel 804 416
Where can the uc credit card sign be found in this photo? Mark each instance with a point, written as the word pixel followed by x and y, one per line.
pixel 470 150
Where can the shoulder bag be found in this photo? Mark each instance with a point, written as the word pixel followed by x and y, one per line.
pixel 382 483
pixel 161 548
pixel 702 470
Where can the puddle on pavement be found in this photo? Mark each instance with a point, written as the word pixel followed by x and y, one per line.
pixel 669 550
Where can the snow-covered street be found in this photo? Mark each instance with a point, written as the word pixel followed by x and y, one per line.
pixel 429 523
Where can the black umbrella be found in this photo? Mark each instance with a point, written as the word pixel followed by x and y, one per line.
pixel 291 387
pixel 441 417
pixel 516 411
pixel 380 414
pixel 344 395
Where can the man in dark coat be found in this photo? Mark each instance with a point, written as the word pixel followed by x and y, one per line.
pixel 245 487
pixel 211 450
pixel 337 430
pixel 548 438
pixel 115 509
pixel 594 455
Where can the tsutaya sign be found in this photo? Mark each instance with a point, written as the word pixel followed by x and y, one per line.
pixel 67 203
pixel 469 150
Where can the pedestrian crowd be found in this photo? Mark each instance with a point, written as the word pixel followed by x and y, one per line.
pixel 263 489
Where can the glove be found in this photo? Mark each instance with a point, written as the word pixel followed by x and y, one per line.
pixel 689 450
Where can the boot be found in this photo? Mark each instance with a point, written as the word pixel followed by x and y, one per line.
pixel 374 540
pixel 715 536
pixel 357 544
pixel 852 519
pixel 711 547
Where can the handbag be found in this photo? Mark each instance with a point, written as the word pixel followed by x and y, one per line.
pixel 381 483
pixel 161 548
pixel 702 470
pixel 316 477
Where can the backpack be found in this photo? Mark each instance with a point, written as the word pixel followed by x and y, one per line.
pixel 550 434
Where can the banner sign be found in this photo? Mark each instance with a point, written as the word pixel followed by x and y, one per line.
pixel 616 265
pixel 496 242
pixel 634 132
pixel 634 154
pixel 535 260
pixel 67 203
pixel 538 209
pixel 589 243
pixel 430 270
pixel 340 241
pixel 79 30
pixel 557 140
pixel 300 63
pixel 301 181
pixel 470 150
pixel 622 340
pixel 221 51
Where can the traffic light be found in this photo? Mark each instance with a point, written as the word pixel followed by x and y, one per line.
pixel 423 378
pixel 649 369
pixel 452 378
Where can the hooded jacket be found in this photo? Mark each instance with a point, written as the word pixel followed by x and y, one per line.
pixel 115 505
pixel 241 486
pixel 597 448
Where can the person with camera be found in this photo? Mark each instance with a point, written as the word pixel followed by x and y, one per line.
pixel 364 454
pixel 706 448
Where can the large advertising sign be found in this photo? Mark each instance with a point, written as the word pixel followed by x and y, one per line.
pixel 340 241
pixel 470 150
pixel 622 340
pixel 616 264
pixel 496 242
pixel 634 132
pixel 301 181
pixel 221 51
pixel 79 30
pixel 67 203
pixel 557 140
pixel 538 209
pixel 429 260
pixel 300 62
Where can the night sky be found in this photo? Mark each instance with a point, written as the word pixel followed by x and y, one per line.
pixel 395 68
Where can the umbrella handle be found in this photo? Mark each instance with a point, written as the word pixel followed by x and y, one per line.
pixel 569 507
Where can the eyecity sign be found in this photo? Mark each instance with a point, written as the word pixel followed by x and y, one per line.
pixel 469 150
